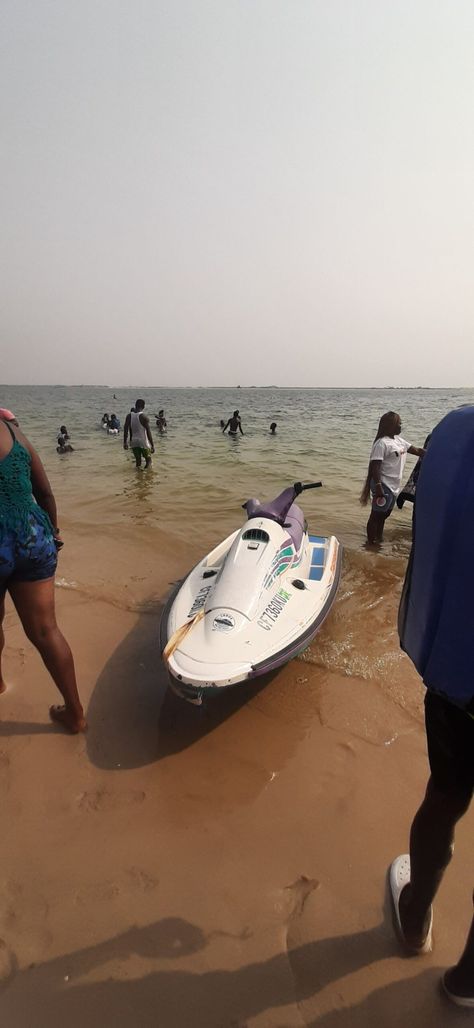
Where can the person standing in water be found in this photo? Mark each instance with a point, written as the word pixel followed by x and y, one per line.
pixel 234 424
pixel 137 426
pixel 273 427
pixel 29 541
pixel 384 476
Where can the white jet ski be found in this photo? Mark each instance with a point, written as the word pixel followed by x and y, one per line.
pixel 253 603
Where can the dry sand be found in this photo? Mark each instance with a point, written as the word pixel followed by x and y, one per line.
pixel 217 869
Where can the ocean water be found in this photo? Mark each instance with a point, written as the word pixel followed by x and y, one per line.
pixel 200 478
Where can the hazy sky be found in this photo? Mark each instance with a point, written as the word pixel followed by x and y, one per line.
pixel 237 191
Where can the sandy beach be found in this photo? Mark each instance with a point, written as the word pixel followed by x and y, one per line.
pixel 217 869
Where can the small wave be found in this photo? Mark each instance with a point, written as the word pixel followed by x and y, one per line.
pixel 360 638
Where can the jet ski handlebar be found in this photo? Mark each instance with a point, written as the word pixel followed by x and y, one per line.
pixel 300 488
pixel 278 508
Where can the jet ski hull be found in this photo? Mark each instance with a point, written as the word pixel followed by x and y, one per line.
pixel 247 608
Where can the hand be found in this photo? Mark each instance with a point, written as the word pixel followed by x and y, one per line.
pixel 125 446
pixel 379 490
pixel 58 542
pixel 152 449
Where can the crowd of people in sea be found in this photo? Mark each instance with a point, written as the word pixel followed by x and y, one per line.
pixel 435 622
pixel 137 432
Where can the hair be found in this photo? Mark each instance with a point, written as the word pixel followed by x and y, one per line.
pixel 273 424
pixel 386 426
pixel 139 405
pixel 63 429
pixel 235 414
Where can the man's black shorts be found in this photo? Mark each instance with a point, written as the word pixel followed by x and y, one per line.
pixel 450 734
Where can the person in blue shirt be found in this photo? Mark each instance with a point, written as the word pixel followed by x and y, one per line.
pixel 435 625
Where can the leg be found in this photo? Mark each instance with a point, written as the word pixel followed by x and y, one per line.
pixel 450 738
pixel 34 602
pixel 2 640
pixel 459 980
pixel 375 526
pixel 137 453
pixel 431 848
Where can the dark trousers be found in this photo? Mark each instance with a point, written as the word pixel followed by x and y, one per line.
pixel 450 736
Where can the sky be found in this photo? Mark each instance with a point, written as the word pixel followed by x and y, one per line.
pixel 213 192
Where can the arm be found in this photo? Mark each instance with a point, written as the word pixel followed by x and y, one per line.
pixel 146 424
pixel 375 471
pixel 419 451
pixel 226 426
pixel 240 427
pixel 126 430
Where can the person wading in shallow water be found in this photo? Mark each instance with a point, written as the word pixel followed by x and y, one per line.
pixel 384 477
pixel 29 541
pixel 234 424
pixel 137 426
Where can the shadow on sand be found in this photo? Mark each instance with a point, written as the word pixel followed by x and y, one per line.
pixel 51 994
pixel 135 718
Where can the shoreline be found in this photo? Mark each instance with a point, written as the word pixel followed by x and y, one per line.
pixel 218 868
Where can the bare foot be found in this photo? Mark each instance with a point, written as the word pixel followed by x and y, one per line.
pixel 70 721
pixel 3 685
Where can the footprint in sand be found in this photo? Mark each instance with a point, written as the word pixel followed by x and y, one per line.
pixel 338 779
pixel 297 893
pixel 24 912
pixel 105 891
pixel 102 800
pixel 141 879
pixel 97 893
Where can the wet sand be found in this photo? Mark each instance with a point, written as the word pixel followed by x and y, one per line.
pixel 215 869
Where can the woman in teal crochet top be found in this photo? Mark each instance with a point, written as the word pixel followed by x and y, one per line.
pixel 29 541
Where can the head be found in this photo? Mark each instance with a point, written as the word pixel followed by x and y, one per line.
pixel 389 424
pixel 63 430
pixel 161 413
pixel 114 416
pixel 273 427
pixel 139 406
pixel 7 415
pixel 235 414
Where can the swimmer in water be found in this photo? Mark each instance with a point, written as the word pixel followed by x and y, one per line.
pixel 114 425
pixel 105 421
pixel 63 445
pixel 234 424
pixel 161 421
pixel 273 427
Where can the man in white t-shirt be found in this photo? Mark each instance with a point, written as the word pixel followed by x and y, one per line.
pixel 384 478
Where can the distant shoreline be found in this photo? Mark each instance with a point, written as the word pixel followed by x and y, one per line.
pixel 231 388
